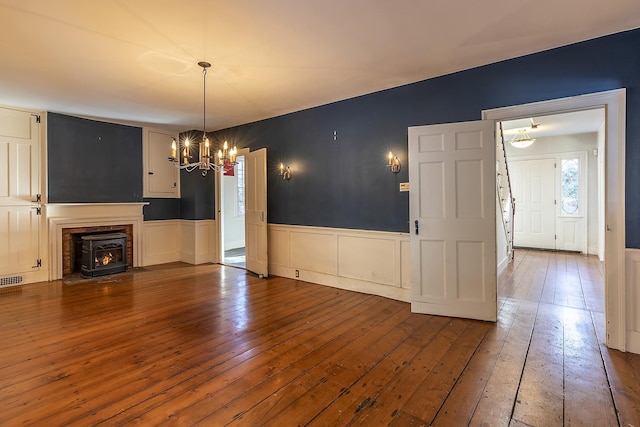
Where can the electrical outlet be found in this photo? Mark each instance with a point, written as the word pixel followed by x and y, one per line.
pixel 297 273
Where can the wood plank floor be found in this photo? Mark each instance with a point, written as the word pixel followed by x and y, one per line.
pixel 210 345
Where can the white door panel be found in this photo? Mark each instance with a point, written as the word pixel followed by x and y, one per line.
pixel 453 219
pixel 19 157
pixel 19 226
pixel 256 212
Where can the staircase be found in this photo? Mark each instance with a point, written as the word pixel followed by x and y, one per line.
pixel 505 200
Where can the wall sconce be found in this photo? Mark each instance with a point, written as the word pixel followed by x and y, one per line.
pixel 285 173
pixel 394 163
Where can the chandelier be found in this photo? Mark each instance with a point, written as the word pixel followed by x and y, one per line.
pixel 521 139
pixel 226 158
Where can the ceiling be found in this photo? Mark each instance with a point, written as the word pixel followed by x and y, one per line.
pixel 135 61
pixel 575 122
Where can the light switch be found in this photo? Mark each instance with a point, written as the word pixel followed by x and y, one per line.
pixel 404 186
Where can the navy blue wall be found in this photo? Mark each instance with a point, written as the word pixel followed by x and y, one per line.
pixel 161 208
pixel 345 183
pixel 91 161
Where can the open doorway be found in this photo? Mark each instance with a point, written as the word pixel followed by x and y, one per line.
pixel 232 215
pixel 614 203
pixel 557 177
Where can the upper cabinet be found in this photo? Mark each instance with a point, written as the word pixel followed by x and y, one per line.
pixel 160 175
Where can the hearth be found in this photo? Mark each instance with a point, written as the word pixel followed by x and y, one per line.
pixel 104 254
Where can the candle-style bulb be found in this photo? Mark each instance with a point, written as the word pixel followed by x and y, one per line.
pixel 390 157
pixel 174 148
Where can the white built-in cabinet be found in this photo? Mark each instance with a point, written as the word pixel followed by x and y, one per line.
pixel 161 177
pixel 21 209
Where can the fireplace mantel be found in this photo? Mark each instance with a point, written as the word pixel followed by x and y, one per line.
pixel 71 215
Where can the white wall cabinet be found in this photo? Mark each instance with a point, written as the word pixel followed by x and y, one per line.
pixel 161 177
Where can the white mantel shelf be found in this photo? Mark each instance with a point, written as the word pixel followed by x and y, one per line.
pixel 93 209
pixel 72 215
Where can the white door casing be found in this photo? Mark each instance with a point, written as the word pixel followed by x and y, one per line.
pixel 256 212
pixel 614 102
pixel 533 184
pixel 20 197
pixel 453 219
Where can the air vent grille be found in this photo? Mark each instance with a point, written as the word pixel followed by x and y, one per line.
pixel 10 281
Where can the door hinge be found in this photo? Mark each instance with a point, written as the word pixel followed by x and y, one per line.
pixel 555 237
pixel 38 263
pixel 38 211
pixel 37 116
pixel 555 202
pixel 38 198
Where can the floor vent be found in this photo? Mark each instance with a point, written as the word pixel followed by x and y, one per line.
pixel 10 281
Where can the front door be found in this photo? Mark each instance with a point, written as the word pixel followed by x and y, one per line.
pixel 453 219
pixel 533 184
pixel 256 212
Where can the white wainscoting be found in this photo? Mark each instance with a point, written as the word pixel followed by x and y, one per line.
pixel 373 262
pixel 199 241
pixel 632 261
pixel 161 242
pixel 193 242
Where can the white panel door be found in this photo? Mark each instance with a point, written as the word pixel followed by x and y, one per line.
pixel 256 212
pixel 535 214
pixel 19 191
pixel 453 219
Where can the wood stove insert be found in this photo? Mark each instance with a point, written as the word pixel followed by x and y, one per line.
pixel 104 254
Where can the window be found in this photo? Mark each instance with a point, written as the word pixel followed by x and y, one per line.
pixel 570 187
pixel 241 189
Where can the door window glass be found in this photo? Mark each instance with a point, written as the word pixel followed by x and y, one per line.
pixel 570 186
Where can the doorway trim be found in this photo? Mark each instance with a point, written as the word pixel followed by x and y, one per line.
pixel 614 102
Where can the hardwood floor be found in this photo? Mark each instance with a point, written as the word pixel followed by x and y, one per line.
pixel 210 345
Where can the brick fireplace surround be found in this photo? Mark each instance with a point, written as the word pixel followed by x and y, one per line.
pixel 66 219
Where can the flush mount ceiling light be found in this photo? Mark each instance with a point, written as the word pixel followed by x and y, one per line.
pixel 521 139
pixel 226 156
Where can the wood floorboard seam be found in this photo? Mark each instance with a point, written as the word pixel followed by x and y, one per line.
pixel 608 374
pixel 515 399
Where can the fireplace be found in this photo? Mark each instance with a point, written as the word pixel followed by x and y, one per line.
pixel 72 244
pixel 67 219
pixel 103 254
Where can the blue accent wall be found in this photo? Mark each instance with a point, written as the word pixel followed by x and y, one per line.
pixel 90 161
pixel 345 183
pixel 161 208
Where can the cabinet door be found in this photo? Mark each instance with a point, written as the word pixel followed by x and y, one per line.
pixel 160 175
